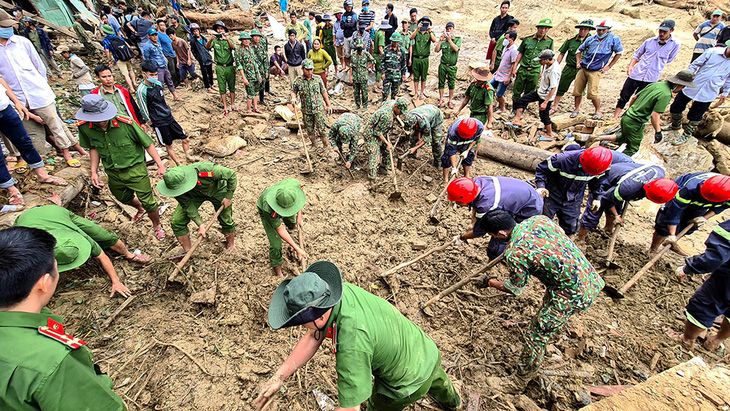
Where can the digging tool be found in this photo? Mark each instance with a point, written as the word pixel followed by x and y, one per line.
pixel 402 157
pixel 195 245
pixel 474 276
pixel 395 194
pixel 620 293
pixel 303 261
pixel 420 257
pixel 304 143
pixel 344 164
pixel 611 246
pixel 434 210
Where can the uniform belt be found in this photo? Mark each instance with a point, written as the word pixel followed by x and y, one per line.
pixel 224 65
pixel 450 65
pixel 420 57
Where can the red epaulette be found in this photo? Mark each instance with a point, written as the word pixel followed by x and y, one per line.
pixel 205 174
pixel 54 330
pixel 124 119
pixel 79 122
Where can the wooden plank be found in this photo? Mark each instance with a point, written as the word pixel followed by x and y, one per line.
pixel 60 29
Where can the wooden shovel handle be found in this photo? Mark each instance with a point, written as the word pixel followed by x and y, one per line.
pixel 420 257
pixel 612 244
pixel 464 281
pixel 435 207
pixel 304 142
pixel 195 245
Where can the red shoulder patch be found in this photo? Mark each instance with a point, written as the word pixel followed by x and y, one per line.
pixel 79 122
pixel 205 174
pixel 54 330
pixel 124 119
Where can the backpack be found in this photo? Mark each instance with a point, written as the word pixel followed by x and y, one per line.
pixel 120 49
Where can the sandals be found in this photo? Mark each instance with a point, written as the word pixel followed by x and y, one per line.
pixel 514 126
pixel 545 138
pixel 159 233
pixel 574 114
pixel 225 113
pixel 258 111
pixel 552 111
pixel 73 163
pixel 139 258
pixel 139 216
pixel 451 105
pixel 234 108
pixel 56 181
pixel 20 167
pixel 597 116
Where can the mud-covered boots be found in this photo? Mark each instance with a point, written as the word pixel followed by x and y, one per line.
pixel 676 123
pixel 689 130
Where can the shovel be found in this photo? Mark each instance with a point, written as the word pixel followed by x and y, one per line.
pixel 610 264
pixel 395 194
pixel 402 157
pixel 420 257
pixel 303 261
pixel 344 164
pixel 304 143
pixel 620 293
pixel 474 276
pixel 434 210
pixel 195 245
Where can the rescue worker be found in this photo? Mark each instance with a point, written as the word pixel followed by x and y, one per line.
pixel 562 180
pixel 282 201
pixel 311 91
pixel 374 134
pixel 700 197
pixel 345 130
pixel 622 183
pixel 426 125
pixel 712 299
pixel 462 139
pixel 192 185
pixel 360 62
pixel 42 366
pixel 394 67
pixel 382 357
pixel 493 193
pixel 528 74
pixel 538 247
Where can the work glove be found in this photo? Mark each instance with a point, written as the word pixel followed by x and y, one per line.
pixel 658 136
pixel 681 275
pixel 458 241
pixel 698 221
pixel 465 154
pixel 544 193
pixel 595 205
pixel 485 282
pixel 671 240
pixel 454 170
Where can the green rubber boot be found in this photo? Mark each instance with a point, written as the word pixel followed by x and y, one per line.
pixel 689 130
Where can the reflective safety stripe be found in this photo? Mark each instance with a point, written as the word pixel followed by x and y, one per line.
pixel 497 193
pixel 462 142
pixel 628 175
pixel 568 175
pixel 721 232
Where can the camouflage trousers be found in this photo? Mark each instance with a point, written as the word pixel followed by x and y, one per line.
pixel 554 313
pixel 315 124
pixel 435 138
pixel 361 94
pixel 377 152
pixel 390 86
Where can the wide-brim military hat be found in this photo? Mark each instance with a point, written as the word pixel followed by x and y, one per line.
pixel 244 35
pixel 255 32
pixel 683 78
pixel 481 73
pixel 286 197
pixel 72 249
pixel 385 25
pixel 95 109
pixel 588 23
pixel 306 297
pixel 177 181
pixel 396 37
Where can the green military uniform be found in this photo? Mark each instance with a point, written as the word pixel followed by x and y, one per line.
pixel 394 67
pixel 378 125
pixel 569 47
pixel 412 26
pixel 53 218
pixel 481 96
pixel 538 247
pixel 499 48
pixel 84 39
pixel 225 71
pixel 528 75
pixel 271 221
pixel 214 184
pixel 181 32
pixel 375 340
pixel 405 45
pixel 310 94
pixel 378 41
pixel 248 61
pixel 43 368
pixel 328 43
pixel 447 67
pixel 653 98
pixel 121 149
pixel 421 51
pixel 262 57
pixel 346 130
pixel 428 120
pixel 359 64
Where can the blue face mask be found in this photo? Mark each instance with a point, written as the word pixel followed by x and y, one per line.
pixel 6 32
pixel 366 8
pixel 152 80
pixel 602 36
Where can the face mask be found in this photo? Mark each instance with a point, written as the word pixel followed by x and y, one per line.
pixel 6 33
pixel 603 36
pixel 151 79
pixel 16 13
pixel 366 9
pixel 505 42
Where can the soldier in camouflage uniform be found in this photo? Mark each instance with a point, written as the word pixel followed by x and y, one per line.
pixel 426 122
pixel 345 130
pixel 261 47
pixel 247 63
pixel 359 63
pixel 393 66
pixel 539 247
pixel 376 141
pixel 311 91
pixel 84 36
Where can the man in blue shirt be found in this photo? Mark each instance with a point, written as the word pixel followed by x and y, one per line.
pixel 594 59
pixel 168 51
pixel 706 34
pixel 153 51
pixel 712 72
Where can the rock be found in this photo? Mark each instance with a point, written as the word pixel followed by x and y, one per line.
pixel 564 121
pixel 524 403
pixel 632 12
pixel 431 197
pixel 427 179
pixel 356 190
pixel 204 297
pixel 720 153
pixel 419 245
pixel 685 158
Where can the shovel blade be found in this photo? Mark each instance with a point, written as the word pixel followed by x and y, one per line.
pixel 612 266
pixel 612 292
pixel 434 220
pixel 396 195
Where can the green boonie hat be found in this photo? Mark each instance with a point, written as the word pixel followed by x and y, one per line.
pixel 255 32
pixel 244 35
pixel 286 197
pixel 403 103
pixel 359 43
pixel 546 22
pixel 396 37
pixel 177 181
pixel 306 297
pixel 587 23
pixel 410 121
pixel 107 29
pixel 308 64
pixel 71 250
pixel 258 24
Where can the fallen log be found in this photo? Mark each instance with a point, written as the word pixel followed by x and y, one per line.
pixel 514 154
pixel 564 121
pixel 234 20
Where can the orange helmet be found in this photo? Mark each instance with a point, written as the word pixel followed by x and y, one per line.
pixel 463 190
pixel 596 160
pixel 661 190
pixel 467 128
pixel 716 188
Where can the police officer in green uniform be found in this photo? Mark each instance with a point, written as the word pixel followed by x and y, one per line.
pixel 449 45
pixel 567 53
pixel 42 368
pixel 225 70
pixel 120 143
pixel 421 40
pixel 528 75
pixel 382 357
pixel 426 123
pixel 282 201
pixel 192 185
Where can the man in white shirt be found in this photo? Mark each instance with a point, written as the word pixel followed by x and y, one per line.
pixel 544 95
pixel 23 70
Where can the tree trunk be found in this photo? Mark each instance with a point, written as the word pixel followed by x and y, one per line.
pixel 514 154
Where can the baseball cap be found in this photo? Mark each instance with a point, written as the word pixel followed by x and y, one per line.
pixel 717 13
pixel 667 25
pixel 546 54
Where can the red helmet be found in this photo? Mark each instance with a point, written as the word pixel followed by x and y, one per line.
pixel 716 188
pixel 661 190
pixel 596 160
pixel 463 190
pixel 467 128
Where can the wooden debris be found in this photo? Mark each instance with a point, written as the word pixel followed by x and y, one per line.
pixel 514 154
pixel 114 315
pixel 564 121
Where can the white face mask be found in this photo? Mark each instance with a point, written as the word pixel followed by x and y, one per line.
pixel 505 42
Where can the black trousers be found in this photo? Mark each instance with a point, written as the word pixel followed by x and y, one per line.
pixel 696 111
pixel 207 71
pixel 531 97
pixel 630 88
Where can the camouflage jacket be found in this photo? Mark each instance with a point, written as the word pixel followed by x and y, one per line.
pixel 359 64
pixel 393 64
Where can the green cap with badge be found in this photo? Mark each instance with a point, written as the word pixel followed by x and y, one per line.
pixel 546 22
pixel 244 35
pixel 286 197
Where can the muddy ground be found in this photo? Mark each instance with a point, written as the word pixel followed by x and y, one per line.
pixel 165 351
